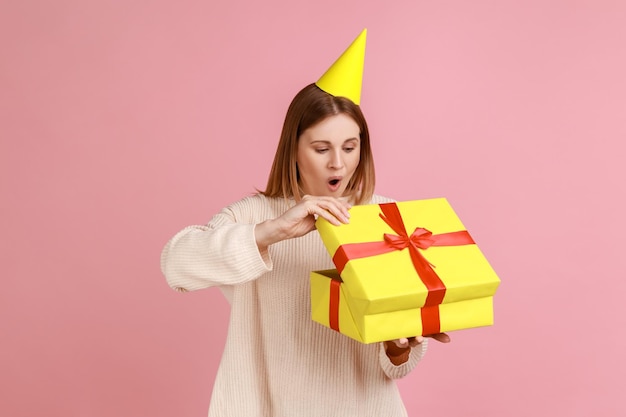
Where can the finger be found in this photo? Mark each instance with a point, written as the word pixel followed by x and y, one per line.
pixel 316 208
pixel 402 342
pixel 330 210
pixel 337 207
pixel 340 202
pixel 440 337
pixel 346 202
pixel 327 215
pixel 416 341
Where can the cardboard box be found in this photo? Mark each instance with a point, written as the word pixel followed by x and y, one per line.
pixel 403 269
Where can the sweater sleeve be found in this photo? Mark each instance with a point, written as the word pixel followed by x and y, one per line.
pixel 224 252
pixel 395 372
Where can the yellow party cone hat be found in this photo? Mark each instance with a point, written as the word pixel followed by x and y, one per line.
pixel 345 76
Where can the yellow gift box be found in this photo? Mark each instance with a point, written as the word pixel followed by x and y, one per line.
pixel 403 269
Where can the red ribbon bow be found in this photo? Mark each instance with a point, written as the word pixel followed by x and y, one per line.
pixel 420 239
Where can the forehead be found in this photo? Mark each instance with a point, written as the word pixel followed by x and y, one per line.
pixel 336 128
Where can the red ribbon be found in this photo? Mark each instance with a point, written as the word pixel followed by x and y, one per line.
pixel 420 239
pixel 335 290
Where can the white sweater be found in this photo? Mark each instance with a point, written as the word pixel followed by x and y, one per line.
pixel 277 362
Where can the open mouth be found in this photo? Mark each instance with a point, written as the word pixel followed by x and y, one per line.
pixel 334 183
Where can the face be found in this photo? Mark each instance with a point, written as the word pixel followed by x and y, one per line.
pixel 328 154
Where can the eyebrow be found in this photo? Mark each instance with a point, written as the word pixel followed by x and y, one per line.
pixel 328 142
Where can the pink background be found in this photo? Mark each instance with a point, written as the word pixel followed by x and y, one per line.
pixel 122 122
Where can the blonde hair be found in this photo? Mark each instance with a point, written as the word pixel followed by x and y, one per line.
pixel 309 107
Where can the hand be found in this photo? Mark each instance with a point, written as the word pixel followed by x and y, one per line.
pixel 300 219
pixel 398 350
pixel 418 340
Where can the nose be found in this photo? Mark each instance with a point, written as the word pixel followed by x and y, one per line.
pixel 336 160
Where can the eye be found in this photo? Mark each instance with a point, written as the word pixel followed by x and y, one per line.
pixel 349 149
pixel 321 150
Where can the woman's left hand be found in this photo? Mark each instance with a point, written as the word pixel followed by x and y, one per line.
pixel 398 350
pixel 418 340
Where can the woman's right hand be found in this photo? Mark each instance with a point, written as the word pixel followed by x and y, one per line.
pixel 300 219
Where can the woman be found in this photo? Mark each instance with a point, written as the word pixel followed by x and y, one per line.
pixel 260 250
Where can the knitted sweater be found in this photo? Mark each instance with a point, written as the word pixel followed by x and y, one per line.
pixel 277 362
